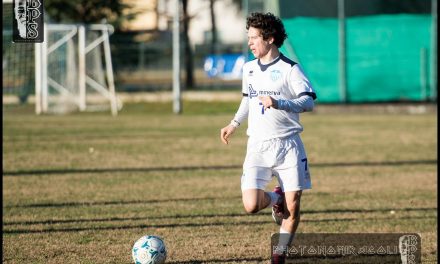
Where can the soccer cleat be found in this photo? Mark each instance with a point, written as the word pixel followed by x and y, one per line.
pixel 278 208
pixel 278 259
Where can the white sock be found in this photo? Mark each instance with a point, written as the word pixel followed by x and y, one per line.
pixel 285 239
pixel 274 198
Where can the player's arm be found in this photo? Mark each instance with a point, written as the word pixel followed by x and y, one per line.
pixel 302 104
pixel 239 118
pixel 299 105
pixel 300 85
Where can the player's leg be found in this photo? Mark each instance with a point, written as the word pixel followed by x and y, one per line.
pixel 292 212
pixel 294 176
pixel 253 184
pixel 254 200
pixel 289 225
pixel 278 208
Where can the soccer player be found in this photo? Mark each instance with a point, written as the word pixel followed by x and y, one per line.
pixel 275 91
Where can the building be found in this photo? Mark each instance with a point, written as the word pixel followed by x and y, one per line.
pixel 157 15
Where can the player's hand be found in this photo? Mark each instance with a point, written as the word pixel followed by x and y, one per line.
pixel 268 102
pixel 226 132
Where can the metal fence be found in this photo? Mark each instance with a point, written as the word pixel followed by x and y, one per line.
pixel 334 40
pixel 147 66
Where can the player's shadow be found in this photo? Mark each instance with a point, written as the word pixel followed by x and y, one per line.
pixel 119 202
pixel 214 167
pixel 243 219
pixel 204 216
pixel 181 225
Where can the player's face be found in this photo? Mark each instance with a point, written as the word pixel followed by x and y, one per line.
pixel 257 44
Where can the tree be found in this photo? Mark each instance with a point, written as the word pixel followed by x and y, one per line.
pixel 214 33
pixel 214 38
pixel 89 11
pixel 189 62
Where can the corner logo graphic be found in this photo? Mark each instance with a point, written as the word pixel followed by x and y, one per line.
pixel 28 21
pixel 408 248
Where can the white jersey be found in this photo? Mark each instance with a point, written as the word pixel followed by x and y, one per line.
pixel 280 79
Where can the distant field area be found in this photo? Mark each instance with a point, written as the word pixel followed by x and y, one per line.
pixel 82 188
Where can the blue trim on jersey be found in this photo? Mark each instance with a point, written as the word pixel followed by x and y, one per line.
pixel 313 95
pixel 287 60
pixel 263 67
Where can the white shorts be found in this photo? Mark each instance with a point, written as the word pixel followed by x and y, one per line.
pixel 284 158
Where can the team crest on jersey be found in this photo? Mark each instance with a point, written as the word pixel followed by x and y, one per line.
pixel 252 92
pixel 275 75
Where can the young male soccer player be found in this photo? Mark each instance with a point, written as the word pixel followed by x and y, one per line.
pixel 275 91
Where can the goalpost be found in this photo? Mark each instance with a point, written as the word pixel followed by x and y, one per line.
pixel 71 73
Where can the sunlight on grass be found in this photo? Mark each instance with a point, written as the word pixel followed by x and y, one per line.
pixel 77 184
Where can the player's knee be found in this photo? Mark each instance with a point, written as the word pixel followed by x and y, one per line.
pixel 251 207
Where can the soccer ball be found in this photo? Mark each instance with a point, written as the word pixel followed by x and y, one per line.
pixel 149 250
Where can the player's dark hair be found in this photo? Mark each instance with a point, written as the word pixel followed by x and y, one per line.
pixel 270 26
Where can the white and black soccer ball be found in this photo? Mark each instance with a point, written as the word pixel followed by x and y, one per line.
pixel 149 250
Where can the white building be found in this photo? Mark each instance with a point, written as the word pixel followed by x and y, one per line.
pixel 157 14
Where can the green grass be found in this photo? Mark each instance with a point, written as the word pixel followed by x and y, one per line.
pixel 82 188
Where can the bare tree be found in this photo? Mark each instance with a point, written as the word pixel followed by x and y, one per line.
pixel 90 11
pixel 188 52
pixel 214 32
pixel 214 37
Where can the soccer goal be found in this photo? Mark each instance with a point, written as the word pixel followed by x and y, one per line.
pixel 73 70
pixel 70 71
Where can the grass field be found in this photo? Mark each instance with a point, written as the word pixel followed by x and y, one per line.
pixel 82 188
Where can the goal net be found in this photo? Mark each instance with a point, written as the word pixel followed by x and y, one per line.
pixel 17 60
pixel 75 67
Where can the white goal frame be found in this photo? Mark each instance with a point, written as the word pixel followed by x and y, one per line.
pixel 43 78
